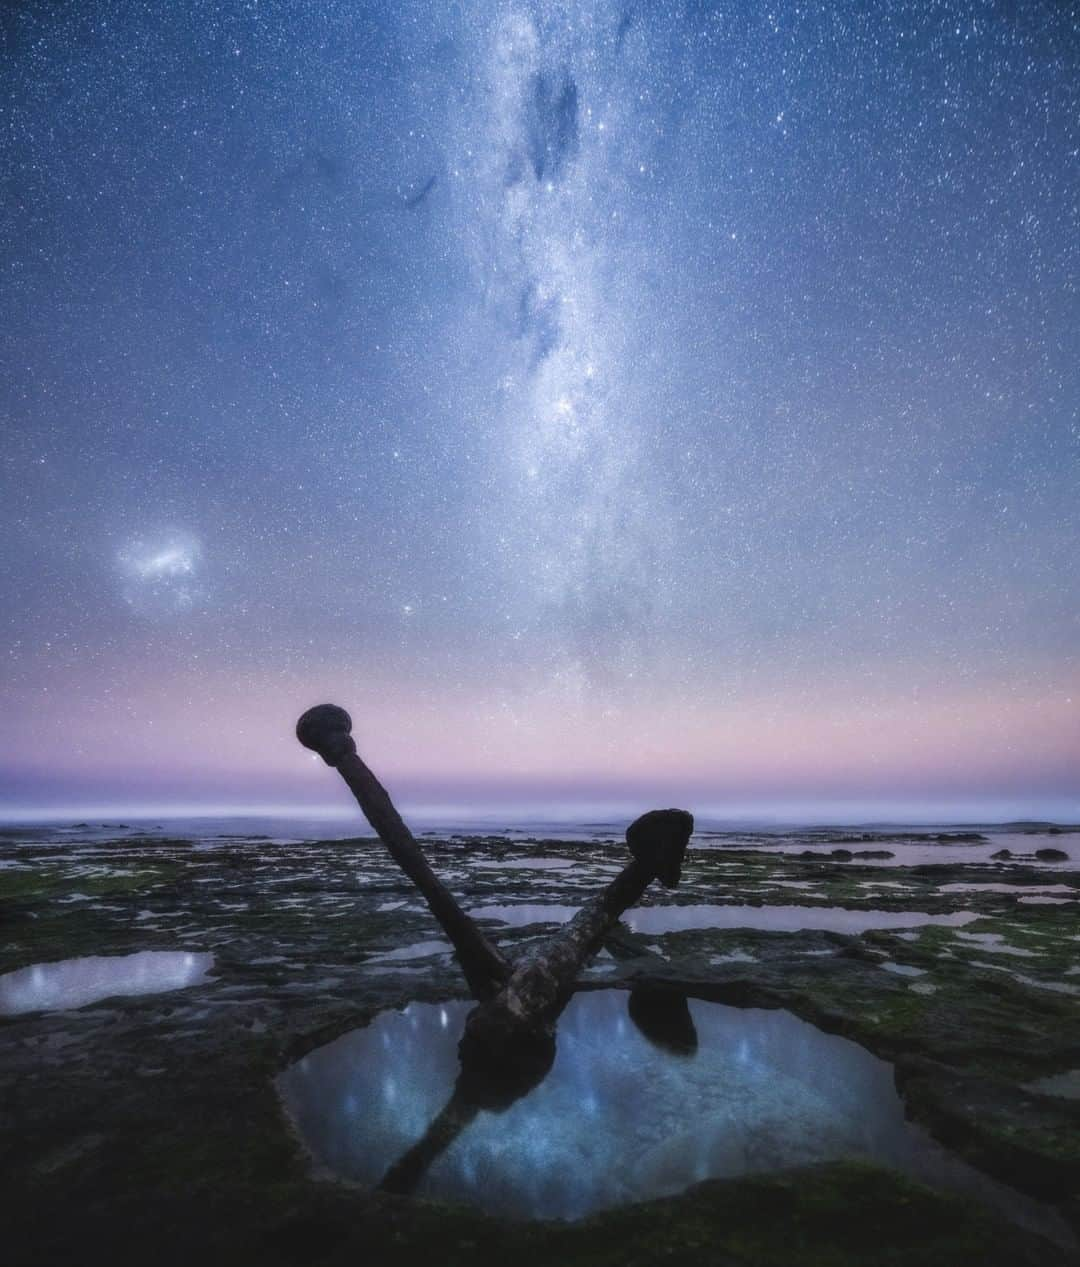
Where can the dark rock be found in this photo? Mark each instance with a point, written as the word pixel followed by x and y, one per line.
pixel 1051 855
pixel 200 1162
pixel 1001 854
pixel 842 855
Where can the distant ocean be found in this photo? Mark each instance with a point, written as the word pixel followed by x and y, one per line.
pixel 910 844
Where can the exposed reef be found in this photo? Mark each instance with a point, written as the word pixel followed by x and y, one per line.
pixel 150 1125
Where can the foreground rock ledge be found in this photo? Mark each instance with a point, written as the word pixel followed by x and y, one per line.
pixel 149 1128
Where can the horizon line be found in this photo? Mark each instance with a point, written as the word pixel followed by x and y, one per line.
pixel 823 813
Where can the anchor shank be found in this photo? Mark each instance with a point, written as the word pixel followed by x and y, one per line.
pixel 484 967
pixel 326 729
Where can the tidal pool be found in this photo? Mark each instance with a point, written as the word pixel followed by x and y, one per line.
pixel 640 1102
pixel 527 864
pixel 418 950
pixel 71 983
pixel 783 919
pixel 1022 889
pixel 674 918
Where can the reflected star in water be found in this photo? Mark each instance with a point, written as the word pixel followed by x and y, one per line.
pixel 761 1091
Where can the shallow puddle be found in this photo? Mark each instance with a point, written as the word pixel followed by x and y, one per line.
pixel 1021 889
pixel 996 944
pixel 71 983
pixel 902 969
pixel 527 864
pixel 784 919
pixel 418 950
pixel 518 914
pixel 641 1101
pixel 1066 1085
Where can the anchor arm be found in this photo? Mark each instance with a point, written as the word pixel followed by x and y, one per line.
pixel 514 1031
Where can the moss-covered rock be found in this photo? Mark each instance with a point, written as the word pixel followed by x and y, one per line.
pixel 149 1127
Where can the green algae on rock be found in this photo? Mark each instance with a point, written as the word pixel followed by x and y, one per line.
pixel 152 1125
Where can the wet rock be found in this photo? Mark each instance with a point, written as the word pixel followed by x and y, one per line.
pixel 1051 855
pixel 200 1161
pixel 1001 855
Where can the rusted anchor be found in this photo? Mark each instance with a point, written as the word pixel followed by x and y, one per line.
pixel 509 1039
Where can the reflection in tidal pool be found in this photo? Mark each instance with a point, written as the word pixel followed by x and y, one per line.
pixel 623 1115
pixel 70 983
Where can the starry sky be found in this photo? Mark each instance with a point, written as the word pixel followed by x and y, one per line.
pixel 608 402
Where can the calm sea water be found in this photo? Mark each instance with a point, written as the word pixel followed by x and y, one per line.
pixel 910 845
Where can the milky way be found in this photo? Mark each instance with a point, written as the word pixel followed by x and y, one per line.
pixel 598 399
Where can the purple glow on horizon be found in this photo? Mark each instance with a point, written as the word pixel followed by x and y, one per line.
pixel 606 405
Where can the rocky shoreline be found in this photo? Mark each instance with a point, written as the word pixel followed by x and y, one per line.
pixel 151 1124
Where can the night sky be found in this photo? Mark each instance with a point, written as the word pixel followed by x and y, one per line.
pixel 608 403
